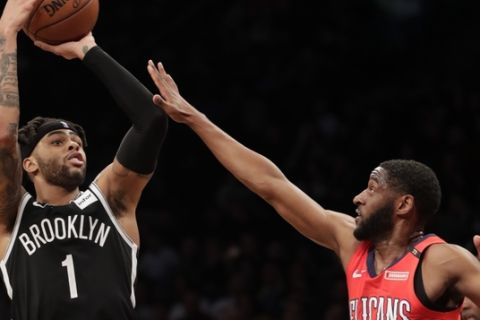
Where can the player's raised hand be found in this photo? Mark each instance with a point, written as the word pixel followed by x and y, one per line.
pixel 15 14
pixel 169 98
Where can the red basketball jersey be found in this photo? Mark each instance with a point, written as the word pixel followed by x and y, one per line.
pixel 390 295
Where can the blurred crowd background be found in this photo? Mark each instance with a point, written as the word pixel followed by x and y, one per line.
pixel 327 90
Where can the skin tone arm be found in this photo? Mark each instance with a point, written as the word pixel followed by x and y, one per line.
pixel 446 268
pixel 330 229
pixel 121 186
pixel 13 17
pixel 471 311
pixel 451 269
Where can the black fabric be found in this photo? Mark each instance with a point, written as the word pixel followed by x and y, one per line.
pixel 139 149
pixel 71 262
pixel 141 145
pixel 440 303
pixel 4 302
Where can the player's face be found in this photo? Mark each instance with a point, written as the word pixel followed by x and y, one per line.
pixel 374 208
pixel 61 159
pixel 470 310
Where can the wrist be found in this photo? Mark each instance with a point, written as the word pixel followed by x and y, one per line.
pixel 8 32
pixel 85 45
pixel 85 49
pixel 88 49
pixel 195 118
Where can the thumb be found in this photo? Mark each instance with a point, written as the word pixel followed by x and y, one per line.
pixel 158 100
pixel 476 242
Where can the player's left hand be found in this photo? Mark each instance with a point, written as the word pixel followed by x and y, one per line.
pixel 70 50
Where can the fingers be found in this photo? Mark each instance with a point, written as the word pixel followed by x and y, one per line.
pixel 158 100
pixel 159 77
pixel 476 242
pixel 157 71
pixel 44 46
pixel 166 77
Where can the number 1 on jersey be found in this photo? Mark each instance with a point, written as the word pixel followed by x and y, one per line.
pixel 72 283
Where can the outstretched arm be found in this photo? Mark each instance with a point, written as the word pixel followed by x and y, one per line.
pixel 329 229
pixel 13 17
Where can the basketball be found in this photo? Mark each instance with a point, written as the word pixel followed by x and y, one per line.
pixel 59 21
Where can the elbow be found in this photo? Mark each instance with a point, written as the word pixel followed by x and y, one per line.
pixel 267 188
pixel 9 128
pixel 160 124
pixel 156 123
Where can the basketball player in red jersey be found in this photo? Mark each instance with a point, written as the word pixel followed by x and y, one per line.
pixel 393 269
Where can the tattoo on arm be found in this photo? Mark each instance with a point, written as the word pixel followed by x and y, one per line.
pixel 85 49
pixel 10 164
pixel 8 77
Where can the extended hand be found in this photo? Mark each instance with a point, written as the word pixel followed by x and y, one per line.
pixel 169 98
pixel 70 50
pixel 15 14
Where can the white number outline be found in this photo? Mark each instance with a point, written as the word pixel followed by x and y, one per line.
pixel 72 282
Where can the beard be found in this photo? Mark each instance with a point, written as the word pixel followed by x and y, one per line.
pixel 60 175
pixel 377 225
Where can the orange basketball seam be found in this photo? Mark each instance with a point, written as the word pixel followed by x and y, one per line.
pixel 65 18
pixel 32 15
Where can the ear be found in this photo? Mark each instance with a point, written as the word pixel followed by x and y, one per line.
pixel 404 205
pixel 30 165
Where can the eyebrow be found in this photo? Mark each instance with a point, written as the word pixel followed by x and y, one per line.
pixel 70 132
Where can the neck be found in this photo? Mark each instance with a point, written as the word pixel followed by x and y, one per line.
pixel 55 195
pixel 389 250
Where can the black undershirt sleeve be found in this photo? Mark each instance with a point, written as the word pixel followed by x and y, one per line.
pixel 141 145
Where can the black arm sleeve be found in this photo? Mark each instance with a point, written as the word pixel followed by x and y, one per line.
pixel 141 145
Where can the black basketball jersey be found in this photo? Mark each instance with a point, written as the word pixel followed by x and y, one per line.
pixel 70 262
pixel 4 302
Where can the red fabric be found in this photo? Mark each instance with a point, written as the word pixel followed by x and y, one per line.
pixel 389 295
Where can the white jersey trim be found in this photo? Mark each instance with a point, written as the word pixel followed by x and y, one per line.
pixel 134 276
pixel 124 235
pixel 3 262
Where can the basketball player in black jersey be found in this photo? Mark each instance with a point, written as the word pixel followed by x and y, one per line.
pixel 67 253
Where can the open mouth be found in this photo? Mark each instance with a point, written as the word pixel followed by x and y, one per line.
pixel 76 159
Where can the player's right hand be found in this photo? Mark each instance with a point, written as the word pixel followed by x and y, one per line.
pixel 169 98
pixel 15 15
